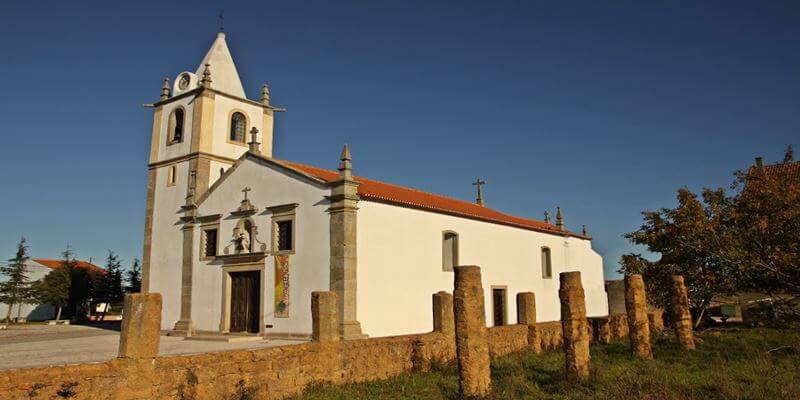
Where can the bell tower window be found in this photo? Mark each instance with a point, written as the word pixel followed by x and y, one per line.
pixel 237 129
pixel 175 126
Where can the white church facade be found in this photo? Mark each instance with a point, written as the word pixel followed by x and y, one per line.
pixel 236 240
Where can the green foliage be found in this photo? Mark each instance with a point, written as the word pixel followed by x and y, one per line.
pixel 55 287
pixel 724 244
pixel 108 286
pixel 16 288
pixel 134 277
pixel 733 364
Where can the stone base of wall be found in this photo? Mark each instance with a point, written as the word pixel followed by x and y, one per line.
pixel 271 373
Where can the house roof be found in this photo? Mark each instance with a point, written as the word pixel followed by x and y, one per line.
pixel 788 171
pixel 52 263
pixel 406 197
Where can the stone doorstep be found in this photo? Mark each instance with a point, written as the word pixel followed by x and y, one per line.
pixel 60 322
pixel 226 338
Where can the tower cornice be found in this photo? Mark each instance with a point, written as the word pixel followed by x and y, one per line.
pixel 199 90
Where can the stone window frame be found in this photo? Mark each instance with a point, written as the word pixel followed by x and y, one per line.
pixel 233 111
pixel 172 174
pixel 547 262
pixel 170 137
pixel 505 303
pixel 203 228
pixel 455 254
pixel 281 213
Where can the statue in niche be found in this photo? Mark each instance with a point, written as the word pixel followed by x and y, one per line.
pixel 242 236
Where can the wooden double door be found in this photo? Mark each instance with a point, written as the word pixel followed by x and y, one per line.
pixel 245 301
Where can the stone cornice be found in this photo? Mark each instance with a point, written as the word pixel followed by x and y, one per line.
pixel 190 156
pixel 199 90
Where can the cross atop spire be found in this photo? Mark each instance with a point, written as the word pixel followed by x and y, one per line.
pixel 245 191
pixel 221 20
pixel 479 184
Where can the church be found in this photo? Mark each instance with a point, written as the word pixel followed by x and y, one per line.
pixel 236 240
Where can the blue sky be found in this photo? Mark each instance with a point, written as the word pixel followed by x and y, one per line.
pixel 603 108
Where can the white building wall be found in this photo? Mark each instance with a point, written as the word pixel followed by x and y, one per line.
pixel 166 152
pixel 308 267
pixel 167 241
pixel 31 312
pixel 223 109
pixel 400 267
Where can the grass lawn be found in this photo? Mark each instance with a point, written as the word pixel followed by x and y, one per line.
pixel 730 364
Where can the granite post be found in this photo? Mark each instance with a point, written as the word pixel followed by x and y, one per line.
pixel 526 315
pixel 681 316
pixel 324 317
pixel 443 317
pixel 472 346
pixel 141 326
pixel 574 325
pixel 638 323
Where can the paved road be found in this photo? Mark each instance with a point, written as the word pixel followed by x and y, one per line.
pixel 42 345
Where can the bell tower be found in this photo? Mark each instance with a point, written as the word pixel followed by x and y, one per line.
pixel 202 123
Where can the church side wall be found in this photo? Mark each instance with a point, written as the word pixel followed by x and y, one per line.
pixel 400 267
pixel 167 239
pixel 308 266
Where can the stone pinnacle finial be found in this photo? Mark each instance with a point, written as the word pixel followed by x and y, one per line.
pixel 346 163
pixel 206 81
pixel 559 219
pixel 253 141
pixel 265 94
pixel 165 89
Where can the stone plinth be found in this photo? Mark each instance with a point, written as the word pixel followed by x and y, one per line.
pixel 443 317
pixel 574 325
pixel 638 324
pixel 472 347
pixel 324 317
pixel 681 316
pixel 141 326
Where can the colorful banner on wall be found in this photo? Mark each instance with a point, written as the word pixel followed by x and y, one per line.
pixel 282 286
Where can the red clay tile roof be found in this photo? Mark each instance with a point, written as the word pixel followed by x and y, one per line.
pixel 51 263
pixel 401 196
pixel 789 171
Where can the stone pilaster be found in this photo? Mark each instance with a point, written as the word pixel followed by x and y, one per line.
pixel 148 229
pixel 324 317
pixel 638 324
pixel 574 325
pixel 472 346
pixel 681 316
pixel 184 325
pixel 141 326
pixel 443 318
pixel 343 246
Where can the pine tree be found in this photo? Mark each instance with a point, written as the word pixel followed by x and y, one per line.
pixel 134 277
pixel 108 286
pixel 55 287
pixel 16 289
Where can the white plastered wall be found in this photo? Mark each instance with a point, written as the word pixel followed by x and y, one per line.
pixel 308 267
pixel 167 241
pixel 400 267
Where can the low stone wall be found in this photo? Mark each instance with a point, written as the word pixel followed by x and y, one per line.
pixel 271 373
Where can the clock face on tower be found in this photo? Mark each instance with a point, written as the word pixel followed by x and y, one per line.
pixel 183 81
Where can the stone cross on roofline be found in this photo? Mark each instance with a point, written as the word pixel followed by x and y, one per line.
pixel 479 183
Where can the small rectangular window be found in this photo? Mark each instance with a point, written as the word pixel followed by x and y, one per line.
pixel 449 251
pixel 172 173
pixel 284 231
pixel 547 265
pixel 210 242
